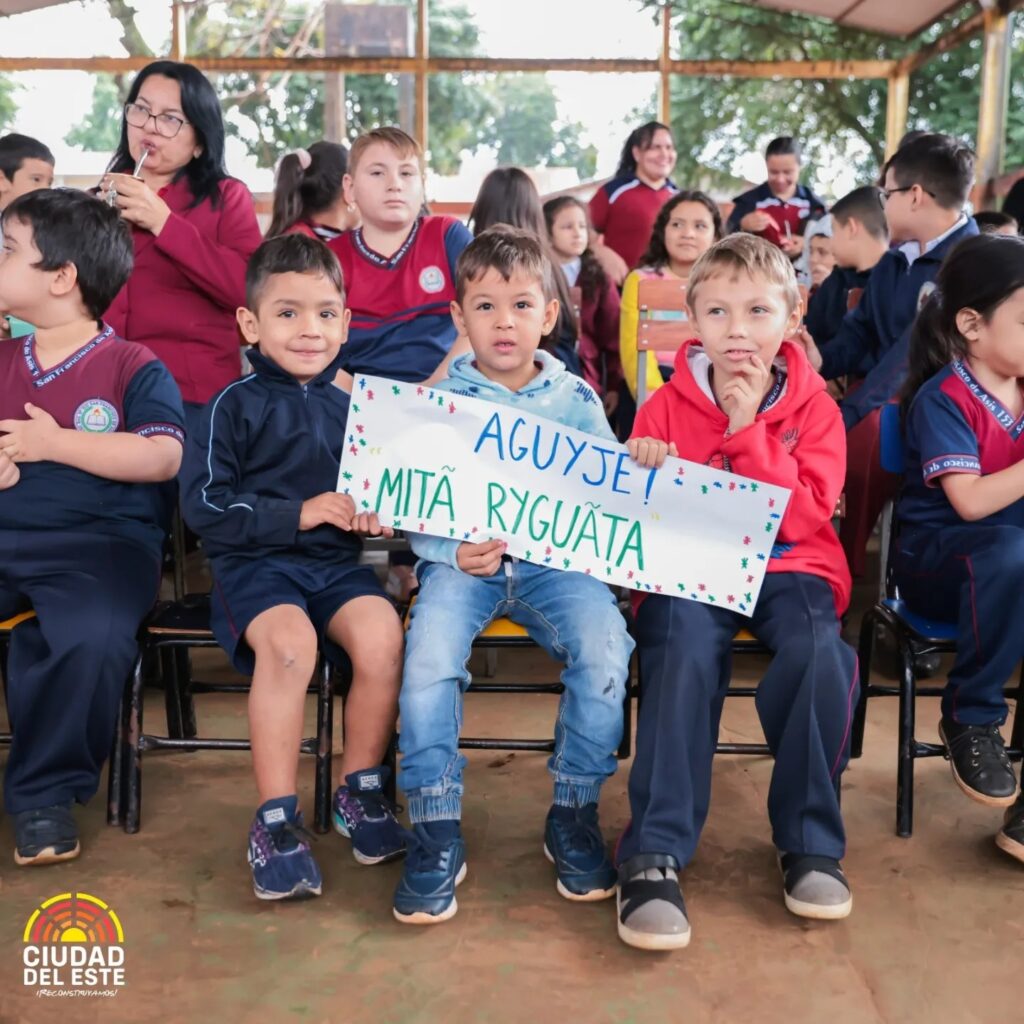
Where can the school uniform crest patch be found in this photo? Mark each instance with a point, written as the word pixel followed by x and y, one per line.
pixel 789 439
pixel 96 416
pixel 432 280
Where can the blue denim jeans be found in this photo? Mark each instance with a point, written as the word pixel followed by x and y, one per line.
pixel 572 616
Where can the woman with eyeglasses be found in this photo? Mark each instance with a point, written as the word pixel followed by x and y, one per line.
pixel 194 229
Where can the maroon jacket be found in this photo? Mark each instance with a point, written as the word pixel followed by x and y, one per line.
pixel 181 299
pixel 599 335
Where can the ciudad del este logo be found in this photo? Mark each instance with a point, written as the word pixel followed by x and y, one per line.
pixel 73 941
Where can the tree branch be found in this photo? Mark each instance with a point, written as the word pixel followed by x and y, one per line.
pixel 851 121
pixel 131 38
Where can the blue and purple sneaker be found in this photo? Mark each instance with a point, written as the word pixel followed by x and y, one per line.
pixel 363 814
pixel 282 862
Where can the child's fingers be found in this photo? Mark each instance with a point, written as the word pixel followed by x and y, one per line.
pixel 673 450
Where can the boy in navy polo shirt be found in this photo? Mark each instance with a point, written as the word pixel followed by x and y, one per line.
pixel 926 187
pixel 90 426
pixel 259 488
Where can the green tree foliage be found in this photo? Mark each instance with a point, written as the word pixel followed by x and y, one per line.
pixel 525 129
pixel 717 120
pixel 516 115
pixel 8 106
pixel 100 130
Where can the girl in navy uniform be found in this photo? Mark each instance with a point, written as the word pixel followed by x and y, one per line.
pixel 961 545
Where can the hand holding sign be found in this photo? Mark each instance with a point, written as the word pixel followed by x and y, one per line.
pixel 649 452
pixel 330 508
pixel 481 559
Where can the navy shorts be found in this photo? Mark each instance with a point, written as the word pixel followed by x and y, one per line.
pixel 246 587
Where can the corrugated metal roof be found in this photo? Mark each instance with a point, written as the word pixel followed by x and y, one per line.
pixel 21 6
pixel 905 18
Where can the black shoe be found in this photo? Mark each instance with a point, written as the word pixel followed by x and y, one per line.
pixel 650 906
pixel 926 664
pixel 815 887
pixel 1011 837
pixel 45 836
pixel 980 766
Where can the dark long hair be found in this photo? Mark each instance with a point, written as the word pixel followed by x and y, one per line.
pixel 1013 204
pixel 509 196
pixel 642 138
pixel 592 277
pixel 300 193
pixel 656 255
pixel 201 108
pixel 980 274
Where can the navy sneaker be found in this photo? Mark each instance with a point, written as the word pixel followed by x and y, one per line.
pixel 282 862
pixel 434 866
pixel 46 835
pixel 367 817
pixel 1010 837
pixel 574 844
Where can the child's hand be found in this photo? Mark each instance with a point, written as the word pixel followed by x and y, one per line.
pixel 742 395
pixel 9 472
pixel 481 559
pixel 792 245
pixel 29 440
pixel 5 328
pixel 330 508
pixel 756 221
pixel 803 338
pixel 649 452
pixel 366 524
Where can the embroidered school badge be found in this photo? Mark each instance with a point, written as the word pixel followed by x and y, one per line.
pixel 431 279
pixel 96 416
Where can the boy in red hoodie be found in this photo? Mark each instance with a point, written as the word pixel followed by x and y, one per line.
pixel 746 401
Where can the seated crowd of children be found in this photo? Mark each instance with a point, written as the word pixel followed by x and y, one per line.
pixel 908 302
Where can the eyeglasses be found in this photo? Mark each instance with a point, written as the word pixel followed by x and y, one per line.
pixel 884 193
pixel 166 125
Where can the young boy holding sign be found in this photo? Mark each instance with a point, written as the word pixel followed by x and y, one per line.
pixel 746 401
pixel 505 306
pixel 259 489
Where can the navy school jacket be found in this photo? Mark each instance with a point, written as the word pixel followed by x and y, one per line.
pixel 827 308
pixel 873 339
pixel 266 444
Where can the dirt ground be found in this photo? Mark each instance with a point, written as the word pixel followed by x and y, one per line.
pixel 936 933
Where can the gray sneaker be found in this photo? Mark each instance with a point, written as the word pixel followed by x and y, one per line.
pixel 650 906
pixel 815 887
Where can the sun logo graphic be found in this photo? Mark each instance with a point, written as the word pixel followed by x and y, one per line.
pixel 74 945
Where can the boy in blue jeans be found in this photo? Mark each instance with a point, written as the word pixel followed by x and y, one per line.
pixel 505 306
pixel 259 489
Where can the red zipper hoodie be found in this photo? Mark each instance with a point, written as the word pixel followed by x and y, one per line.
pixel 798 442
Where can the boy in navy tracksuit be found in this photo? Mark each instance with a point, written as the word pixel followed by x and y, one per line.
pixel 90 426
pixel 259 489
pixel 926 187
pixel 780 208
pixel 860 238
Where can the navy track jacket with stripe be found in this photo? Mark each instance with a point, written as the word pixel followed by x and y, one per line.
pixel 266 444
